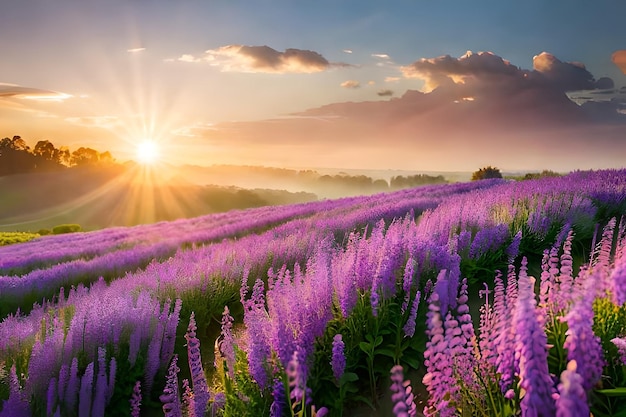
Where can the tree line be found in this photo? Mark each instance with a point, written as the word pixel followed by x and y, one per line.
pixel 16 157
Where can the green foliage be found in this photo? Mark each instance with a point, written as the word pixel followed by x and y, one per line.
pixel 609 323
pixel 10 238
pixel 243 396
pixel 546 173
pixel 373 344
pixel 486 173
pixel 66 228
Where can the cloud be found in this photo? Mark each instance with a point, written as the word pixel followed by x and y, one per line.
pixel 263 59
pixel 351 84
pixel 484 108
pixel 105 122
pixel 392 79
pixel 190 58
pixel 347 51
pixel 490 73
pixel 567 76
pixel 619 59
pixel 445 70
pixel 28 93
pixel 381 56
pixel 135 50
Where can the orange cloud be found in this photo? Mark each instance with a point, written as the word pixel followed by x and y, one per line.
pixel 28 93
pixel 351 84
pixel 619 59
pixel 242 58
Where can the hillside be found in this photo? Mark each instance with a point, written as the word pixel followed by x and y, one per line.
pixel 494 277
pixel 103 197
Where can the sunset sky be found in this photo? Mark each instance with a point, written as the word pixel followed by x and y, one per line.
pixel 327 83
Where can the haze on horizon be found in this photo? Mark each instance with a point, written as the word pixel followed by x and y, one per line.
pixel 355 84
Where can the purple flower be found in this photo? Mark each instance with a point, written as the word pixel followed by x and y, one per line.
pixel 409 327
pixel 582 345
pixel 170 397
pixel 227 344
pixel 620 343
pixel 73 385
pixel 16 405
pixel 438 379
pixel 84 398
pixel 407 283
pixel 513 249
pixel 296 377
pixel 135 400
pixel 618 278
pixel 52 396
pixel 169 335
pixel 111 384
pixel 99 399
pixel 486 335
pixel 153 361
pixel 280 401
pixel 198 379
pixel 531 347
pixel 338 362
pixel 64 374
pixel 572 400
pixel 188 406
pixel 402 395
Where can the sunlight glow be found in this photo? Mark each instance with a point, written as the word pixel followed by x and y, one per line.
pixel 147 152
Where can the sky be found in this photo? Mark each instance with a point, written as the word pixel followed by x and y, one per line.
pixel 449 85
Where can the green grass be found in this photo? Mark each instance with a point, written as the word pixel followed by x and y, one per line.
pixel 9 238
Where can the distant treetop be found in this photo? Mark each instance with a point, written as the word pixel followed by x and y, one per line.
pixel 486 173
pixel 16 157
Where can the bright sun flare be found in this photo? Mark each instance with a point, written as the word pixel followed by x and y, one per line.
pixel 147 152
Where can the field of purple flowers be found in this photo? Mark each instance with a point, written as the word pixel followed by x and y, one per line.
pixel 494 298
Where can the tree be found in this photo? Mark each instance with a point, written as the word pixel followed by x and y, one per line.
pixel 15 156
pixel 486 173
pixel 85 156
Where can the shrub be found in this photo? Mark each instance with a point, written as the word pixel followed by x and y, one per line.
pixel 486 173
pixel 65 228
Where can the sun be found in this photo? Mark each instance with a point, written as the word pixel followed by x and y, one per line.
pixel 147 152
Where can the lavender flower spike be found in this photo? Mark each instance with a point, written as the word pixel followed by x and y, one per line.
pixel 135 400
pixel 531 347
pixel 198 379
pixel 170 397
pixel 402 397
pixel 572 401
pixel 620 344
pixel 339 360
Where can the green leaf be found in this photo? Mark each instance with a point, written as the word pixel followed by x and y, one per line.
pixel 412 361
pixel 378 341
pixel 365 347
pixel 386 352
pixel 613 392
pixel 348 377
pixel 365 400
